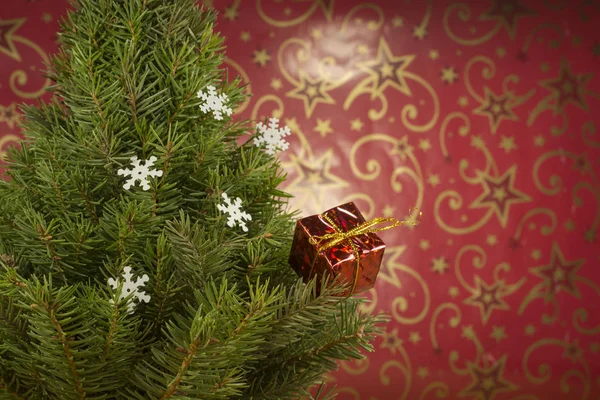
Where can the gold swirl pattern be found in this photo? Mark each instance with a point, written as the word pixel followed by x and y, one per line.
pixel 481 113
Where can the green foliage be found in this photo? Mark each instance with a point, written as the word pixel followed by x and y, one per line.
pixel 228 318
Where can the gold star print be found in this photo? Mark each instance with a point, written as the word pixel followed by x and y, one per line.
pixel 311 92
pixel 316 34
pixel 559 274
pixel 463 101
pixel 468 332
pixel 424 144
pixel 10 115
pixel 569 225
pixel 7 30
pixel 567 88
pixel 573 352
pixel 314 178
pixel 536 254
pixel 539 140
pixel 231 13
pixel 449 75
pixel 419 32
pixel 390 340
pixel 433 180
pixel 323 127
pixel 499 194
pixel 414 337
pixel 397 22
pixel 47 17
pixel 500 52
pixel 477 142
pixel 261 57
pixel 402 148
pixel 276 83
pixel 496 108
pixel 582 164
pixel 356 124
pixel 439 265
pixel 287 11
pixel 424 244
pixel 453 292
pixel 387 70
pixel 491 240
pixel 362 49
pixel 434 54
pixel 529 330
pixel 487 298
pixel 498 333
pixel 245 36
pixel 508 143
pixel 422 372
pixel 487 382
pixel 388 211
pixel 508 13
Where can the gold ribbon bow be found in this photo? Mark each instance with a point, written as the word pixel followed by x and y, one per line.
pixel 339 237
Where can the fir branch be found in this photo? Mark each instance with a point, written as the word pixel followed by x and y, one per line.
pixel 67 349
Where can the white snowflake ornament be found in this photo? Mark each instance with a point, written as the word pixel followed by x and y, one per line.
pixel 139 173
pixel 236 215
pixel 272 135
pixel 217 103
pixel 131 286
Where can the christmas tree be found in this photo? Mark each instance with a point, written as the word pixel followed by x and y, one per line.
pixel 144 249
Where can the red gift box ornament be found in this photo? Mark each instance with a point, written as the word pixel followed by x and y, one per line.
pixel 340 243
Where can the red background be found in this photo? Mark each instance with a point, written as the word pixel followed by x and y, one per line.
pixel 481 113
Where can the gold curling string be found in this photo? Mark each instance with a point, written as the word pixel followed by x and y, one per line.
pixel 339 237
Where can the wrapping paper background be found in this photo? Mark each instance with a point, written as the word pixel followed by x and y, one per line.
pixel 483 114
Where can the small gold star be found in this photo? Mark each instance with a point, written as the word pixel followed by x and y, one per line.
pixel 261 57
pixel 530 330
pixel 276 83
pixel 477 142
pixel 507 143
pixel 491 240
pixel 388 211
pixel 356 124
pixel 391 341
pixel 424 244
pixel 414 337
pixel 576 40
pixel 422 372
pixel 287 11
pixel 434 54
pixel 569 225
pixel 595 347
pixel 316 34
pixel 453 292
pixel 402 148
pixel 231 13
pixel 362 49
pixel 245 36
pixel 323 127
pixel 424 144
pixel 419 32
pixel 500 52
pixel 463 101
pixel 439 265
pixel 433 180
pixel 449 75
pixel 539 140
pixel 536 254
pixel 468 332
pixel 464 218
pixel 397 22
pixel 47 17
pixel 498 333
pixel 544 67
